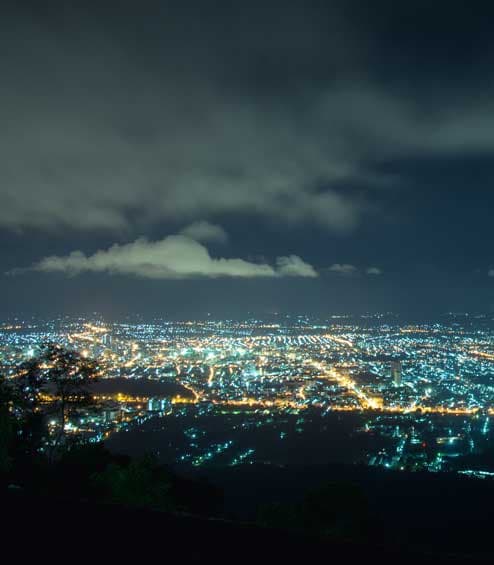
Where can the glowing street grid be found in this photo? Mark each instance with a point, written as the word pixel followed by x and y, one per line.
pixel 409 396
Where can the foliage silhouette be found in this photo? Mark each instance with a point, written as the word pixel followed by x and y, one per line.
pixel 142 483
pixel 50 387
pixel 337 509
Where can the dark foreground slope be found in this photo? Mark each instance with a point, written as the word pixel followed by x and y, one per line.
pixel 61 531
pixel 441 514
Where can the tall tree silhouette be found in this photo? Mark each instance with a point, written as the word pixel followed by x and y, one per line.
pixel 55 383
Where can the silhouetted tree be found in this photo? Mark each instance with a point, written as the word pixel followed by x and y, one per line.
pixel 7 426
pixel 53 384
pixel 69 375
pixel 26 390
pixel 336 509
pixel 75 469
pixel 142 483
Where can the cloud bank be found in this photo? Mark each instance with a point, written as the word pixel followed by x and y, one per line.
pixel 174 257
pixel 264 110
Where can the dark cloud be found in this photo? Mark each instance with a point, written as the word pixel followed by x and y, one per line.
pixel 117 117
pixel 206 232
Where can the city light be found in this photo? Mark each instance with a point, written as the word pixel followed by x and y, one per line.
pixel 425 393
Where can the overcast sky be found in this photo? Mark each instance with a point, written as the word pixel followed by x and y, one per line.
pixel 180 158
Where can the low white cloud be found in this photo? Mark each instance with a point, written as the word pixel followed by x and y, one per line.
pixel 343 269
pixel 347 269
pixel 490 273
pixel 205 232
pixel 374 271
pixel 174 257
pixel 294 266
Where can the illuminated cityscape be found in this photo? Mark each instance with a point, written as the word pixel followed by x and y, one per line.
pixel 366 390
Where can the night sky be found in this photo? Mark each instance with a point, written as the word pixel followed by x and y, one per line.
pixel 234 158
